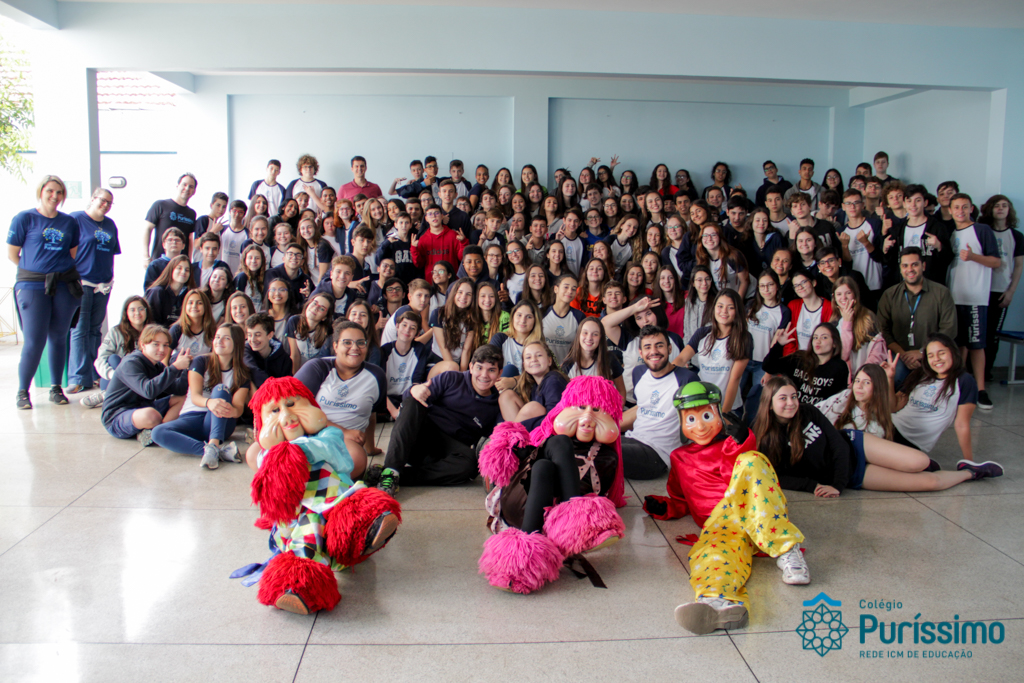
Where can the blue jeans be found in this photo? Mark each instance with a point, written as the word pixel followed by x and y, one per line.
pixel 44 320
pixel 190 432
pixel 752 398
pixel 113 360
pixel 86 338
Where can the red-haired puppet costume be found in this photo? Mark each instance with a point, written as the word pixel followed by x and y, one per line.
pixel 319 521
pixel 555 489
pixel 733 493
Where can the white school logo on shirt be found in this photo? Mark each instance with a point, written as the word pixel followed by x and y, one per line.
pixel 716 354
pixel 343 391
pixel 560 331
pixel 401 367
pixel 655 395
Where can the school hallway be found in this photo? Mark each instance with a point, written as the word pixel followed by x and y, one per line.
pixel 114 566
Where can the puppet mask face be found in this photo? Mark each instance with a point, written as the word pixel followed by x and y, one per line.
pixel 586 423
pixel 701 424
pixel 289 418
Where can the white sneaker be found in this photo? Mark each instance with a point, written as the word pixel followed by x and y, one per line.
pixel 708 614
pixel 794 567
pixel 229 452
pixel 93 400
pixel 211 457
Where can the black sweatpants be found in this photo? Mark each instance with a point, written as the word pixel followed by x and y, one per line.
pixel 423 455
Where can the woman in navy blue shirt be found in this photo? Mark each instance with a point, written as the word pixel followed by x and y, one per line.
pixel 43 242
pixel 97 246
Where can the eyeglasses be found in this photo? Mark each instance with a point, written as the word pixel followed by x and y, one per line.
pixel 827 261
pixel 347 343
pixel 394 289
pixel 852 203
pixel 514 251
pixel 292 254
pixel 802 284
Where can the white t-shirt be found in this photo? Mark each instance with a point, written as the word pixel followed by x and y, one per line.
pixel 514 285
pixel 559 333
pixel 621 253
pixel 714 365
pixel 1011 244
pixel 399 369
pixel 762 330
pixel 631 361
pixel 657 420
pixel 347 404
pixel 231 247
pixel 970 282
pixel 912 236
pixel 199 365
pixel 573 254
pixel 924 418
pixel 274 194
pixel 805 324
pixel 862 261
pixel 511 350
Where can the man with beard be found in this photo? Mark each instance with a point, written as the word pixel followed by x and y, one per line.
pixel 653 422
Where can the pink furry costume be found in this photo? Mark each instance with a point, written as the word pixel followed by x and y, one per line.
pixel 555 489
pixel 319 521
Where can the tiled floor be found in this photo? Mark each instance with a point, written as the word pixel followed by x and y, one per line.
pixel 114 565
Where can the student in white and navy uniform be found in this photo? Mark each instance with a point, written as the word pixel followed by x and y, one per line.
pixel 940 393
pixel 866 259
pixel 347 389
pixel 653 422
pixel 405 361
pixel 621 327
pixel 765 316
pixel 524 328
pixel 976 257
pixel 720 351
pixel 561 319
pixel 999 213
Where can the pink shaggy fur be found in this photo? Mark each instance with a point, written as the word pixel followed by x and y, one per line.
pixel 519 561
pixel 592 391
pixel 582 523
pixel 498 462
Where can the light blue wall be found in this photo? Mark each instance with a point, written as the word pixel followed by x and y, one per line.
pixel 389 131
pixel 691 135
pixel 934 136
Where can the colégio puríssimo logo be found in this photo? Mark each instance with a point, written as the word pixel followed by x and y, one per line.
pixel 822 628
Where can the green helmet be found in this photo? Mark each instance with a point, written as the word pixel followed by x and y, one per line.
pixel 696 394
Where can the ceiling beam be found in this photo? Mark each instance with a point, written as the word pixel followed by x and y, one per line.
pixel 37 14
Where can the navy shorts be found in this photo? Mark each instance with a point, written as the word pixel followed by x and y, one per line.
pixel 121 426
pixel 860 462
pixel 971 325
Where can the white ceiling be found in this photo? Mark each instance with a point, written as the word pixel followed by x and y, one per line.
pixel 968 13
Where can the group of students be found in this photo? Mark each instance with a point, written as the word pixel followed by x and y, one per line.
pixel 876 304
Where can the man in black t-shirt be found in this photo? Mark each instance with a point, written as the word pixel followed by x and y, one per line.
pixel 170 213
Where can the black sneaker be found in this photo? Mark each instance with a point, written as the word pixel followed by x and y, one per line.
pixel 24 402
pixel 380 532
pixel 981 470
pixel 984 402
pixel 388 481
pixel 372 475
pixel 57 395
pixel 932 466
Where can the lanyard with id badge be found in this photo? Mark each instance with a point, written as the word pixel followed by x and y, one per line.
pixel 913 311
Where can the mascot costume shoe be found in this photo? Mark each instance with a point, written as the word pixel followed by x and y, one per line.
pixel 319 521
pixel 733 493
pixel 555 490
